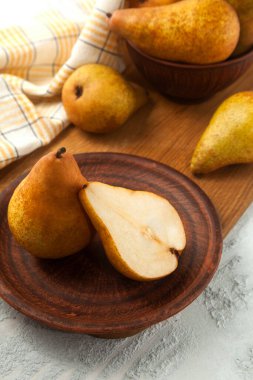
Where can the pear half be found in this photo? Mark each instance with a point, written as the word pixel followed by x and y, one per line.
pixel 142 233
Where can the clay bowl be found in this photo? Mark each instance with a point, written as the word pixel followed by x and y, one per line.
pixel 83 293
pixel 189 82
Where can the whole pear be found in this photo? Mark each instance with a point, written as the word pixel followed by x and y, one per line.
pixel 244 10
pixel 44 213
pixel 192 31
pixel 150 3
pixel 98 99
pixel 228 138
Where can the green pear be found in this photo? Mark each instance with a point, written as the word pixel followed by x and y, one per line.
pixel 229 137
pixel 244 10
pixel 45 214
pixel 192 31
pixel 141 232
pixel 98 99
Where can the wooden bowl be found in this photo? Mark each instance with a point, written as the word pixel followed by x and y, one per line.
pixel 83 293
pixel 189 82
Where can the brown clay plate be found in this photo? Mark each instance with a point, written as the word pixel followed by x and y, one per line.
pixel 83 293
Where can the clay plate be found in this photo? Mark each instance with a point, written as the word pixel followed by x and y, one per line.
pixel 83 293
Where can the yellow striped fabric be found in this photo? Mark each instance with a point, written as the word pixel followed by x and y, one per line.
pixel 35 61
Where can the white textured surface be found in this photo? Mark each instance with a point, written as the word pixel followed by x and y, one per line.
pixel 212 339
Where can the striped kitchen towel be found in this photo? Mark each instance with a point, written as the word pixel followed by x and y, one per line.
pixel 36 59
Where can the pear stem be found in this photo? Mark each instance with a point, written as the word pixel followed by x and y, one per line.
pixel 60 152
pixel 84 186
pixel 109 15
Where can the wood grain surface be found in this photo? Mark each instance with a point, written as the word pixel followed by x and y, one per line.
pixel 166 132
pixel 83 292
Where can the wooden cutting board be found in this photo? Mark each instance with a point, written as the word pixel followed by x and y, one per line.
pixel 166 132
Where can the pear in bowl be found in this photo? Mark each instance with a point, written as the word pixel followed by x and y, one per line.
pixel 190 31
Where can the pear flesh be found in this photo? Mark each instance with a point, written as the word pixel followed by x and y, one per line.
pixel 142 233
pixel 191 31
pixel 229 137
pixel 45 214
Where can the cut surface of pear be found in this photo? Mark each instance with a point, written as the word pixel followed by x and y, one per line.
pixel 142 233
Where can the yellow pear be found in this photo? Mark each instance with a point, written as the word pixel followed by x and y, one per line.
pixel 244 9
pixel 98 99
pixel 142 233
pixel 192 31
pixel 45 214
pixel 229 137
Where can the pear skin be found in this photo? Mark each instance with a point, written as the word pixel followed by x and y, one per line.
pixel 45 214
pixel 191 31
pixel 244 9
pixel 98 99
pixel 228 138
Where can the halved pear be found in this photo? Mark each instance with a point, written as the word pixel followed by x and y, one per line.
pixel 142 233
